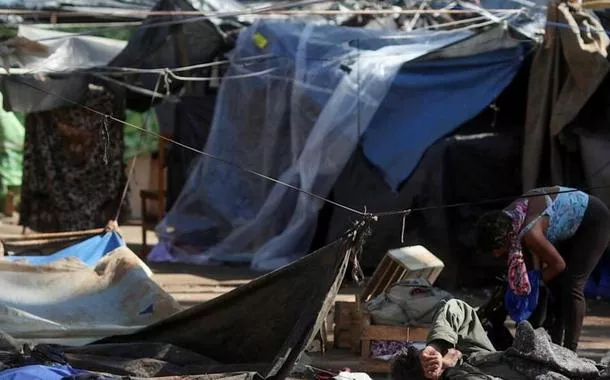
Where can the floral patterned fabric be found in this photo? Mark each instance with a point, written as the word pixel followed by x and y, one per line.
pixel 518 280
pixel 73 170
pixel 386 349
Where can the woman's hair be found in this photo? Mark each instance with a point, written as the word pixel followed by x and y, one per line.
pixel 406 365
pixel 493 230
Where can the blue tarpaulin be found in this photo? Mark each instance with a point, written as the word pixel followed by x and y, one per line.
pixel 40 372
pixel 89 251
pixel 428 100
pixel 314 92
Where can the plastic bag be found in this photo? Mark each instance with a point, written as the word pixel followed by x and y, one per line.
pixel 520 308
pixel 411 302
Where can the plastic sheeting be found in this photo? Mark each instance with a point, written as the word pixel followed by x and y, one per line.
pixel 262 326
pixel 148 48
pixel 308 104
pixel 67 52
pixel 566 71
pixel 304 116
pixel 408 120
pixel 39 372
pixel 89 251
pixel 194 116
pixel 67 303
pixel 160 47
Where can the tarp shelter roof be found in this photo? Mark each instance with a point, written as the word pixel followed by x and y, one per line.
pixel 258 330
pixel 151 48
pixel 318 92
pixel 78 56
pixel 265 325
pixel 67 53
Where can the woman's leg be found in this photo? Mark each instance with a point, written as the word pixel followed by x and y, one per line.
pixel 541 313
pixel 587 247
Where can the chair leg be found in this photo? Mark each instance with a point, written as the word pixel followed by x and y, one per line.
pixel 144 249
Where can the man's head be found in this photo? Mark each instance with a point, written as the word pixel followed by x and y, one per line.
pixel 406 365
pixel 493 233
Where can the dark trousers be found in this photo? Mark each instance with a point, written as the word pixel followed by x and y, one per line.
pixel 582 252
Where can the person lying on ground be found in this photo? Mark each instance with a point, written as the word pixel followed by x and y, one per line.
pixel 456 333
pixel 458 348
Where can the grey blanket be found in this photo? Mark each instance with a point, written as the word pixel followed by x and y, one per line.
pixel 534 357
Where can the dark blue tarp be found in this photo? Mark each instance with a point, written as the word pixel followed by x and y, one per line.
pixel 89 251
pixel 313 91
pixel 39 372
pixel 428 100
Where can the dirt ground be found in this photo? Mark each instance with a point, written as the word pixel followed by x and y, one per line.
pixel 194 284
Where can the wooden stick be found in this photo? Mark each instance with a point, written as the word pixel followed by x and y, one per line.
pixel 40 242
pixel 53 235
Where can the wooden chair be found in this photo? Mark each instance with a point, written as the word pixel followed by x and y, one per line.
pixel 158 196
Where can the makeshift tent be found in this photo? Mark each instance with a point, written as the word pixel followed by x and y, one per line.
pixel 258 330
pixel 94 289
pixel 567 70
pixel 315 90
pixel 67 53
pixel 73 61
pixel 168 45
pixel 450 172
pixel 193 119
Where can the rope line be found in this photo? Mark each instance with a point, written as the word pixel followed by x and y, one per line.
pixel 365 213
pixel 192 149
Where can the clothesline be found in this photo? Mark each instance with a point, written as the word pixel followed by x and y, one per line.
pixel 365 213
pixel 373 12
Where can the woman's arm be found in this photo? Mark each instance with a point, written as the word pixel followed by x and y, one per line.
pixel 540 246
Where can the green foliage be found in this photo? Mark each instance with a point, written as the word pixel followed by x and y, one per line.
pixel 7 31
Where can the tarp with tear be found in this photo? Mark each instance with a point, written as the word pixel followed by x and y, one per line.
pixel 68 303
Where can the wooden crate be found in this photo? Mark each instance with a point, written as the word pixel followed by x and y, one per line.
pixel 398 264
pixel 417 262
pixel 346 320
pixel 403 263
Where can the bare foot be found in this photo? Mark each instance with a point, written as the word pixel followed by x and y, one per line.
pixel 432 362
